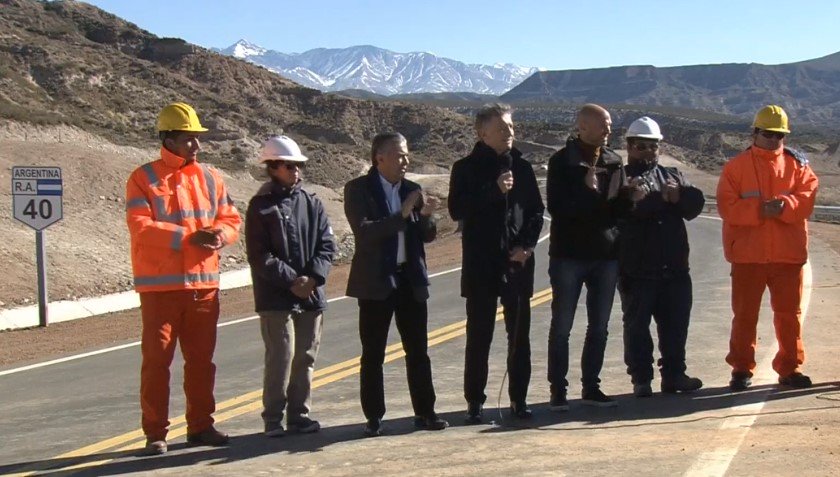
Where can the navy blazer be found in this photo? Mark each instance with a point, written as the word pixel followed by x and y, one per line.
pixel 375 230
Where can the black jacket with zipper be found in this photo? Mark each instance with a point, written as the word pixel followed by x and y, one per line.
pixel 654 241
pixel 287 235
pixel 584 223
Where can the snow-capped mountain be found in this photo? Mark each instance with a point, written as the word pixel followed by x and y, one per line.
pixel 382 71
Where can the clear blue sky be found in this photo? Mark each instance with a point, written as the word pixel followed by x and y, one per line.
pixel 550 34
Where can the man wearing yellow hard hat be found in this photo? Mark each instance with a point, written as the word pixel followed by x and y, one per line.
pixel 179 215
pixel 765 196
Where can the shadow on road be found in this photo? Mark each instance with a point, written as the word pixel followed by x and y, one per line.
pixel 660 410
pixel 668 409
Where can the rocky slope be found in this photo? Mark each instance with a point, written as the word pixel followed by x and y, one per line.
pixel 67 62
pixel 80 89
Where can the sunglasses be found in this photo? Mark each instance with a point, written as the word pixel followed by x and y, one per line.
pixel 772 134
pixel 645 146
pixel 286 165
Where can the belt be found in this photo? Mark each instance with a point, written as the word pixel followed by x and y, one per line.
pixel 402 267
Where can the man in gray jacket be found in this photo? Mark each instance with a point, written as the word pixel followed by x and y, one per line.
pixel 290 248
pixel 391 221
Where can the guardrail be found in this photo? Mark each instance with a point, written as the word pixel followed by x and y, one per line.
pixel 822 213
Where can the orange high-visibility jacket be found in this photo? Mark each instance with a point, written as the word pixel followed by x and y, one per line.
pixel 747 180
pixel 166 201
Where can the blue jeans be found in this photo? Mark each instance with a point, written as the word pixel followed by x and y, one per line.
pixel 567 279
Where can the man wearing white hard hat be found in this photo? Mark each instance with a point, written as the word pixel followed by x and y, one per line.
pixel 654 278
pixel 290 248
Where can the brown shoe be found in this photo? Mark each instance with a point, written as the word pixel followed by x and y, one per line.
pixel 208 437
pixel 154 447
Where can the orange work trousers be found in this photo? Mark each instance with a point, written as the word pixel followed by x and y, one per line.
pixel 188 317
pixel 748 283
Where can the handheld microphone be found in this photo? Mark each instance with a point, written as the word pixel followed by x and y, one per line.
pixel 507 162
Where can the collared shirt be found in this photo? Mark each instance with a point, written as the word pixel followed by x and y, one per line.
pixel 392 197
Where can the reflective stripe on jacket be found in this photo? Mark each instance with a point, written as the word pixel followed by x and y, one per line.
pixel 752 177
pixel 166 201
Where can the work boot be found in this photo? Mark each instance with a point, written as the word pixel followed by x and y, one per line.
pixel 154 446
pixel 208 437
pixel 796 380
pixel 641 390
pixel 681 384
pixel 558 402
pixel 740 381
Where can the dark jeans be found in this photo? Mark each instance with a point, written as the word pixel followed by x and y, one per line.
pixel 567 279
pixel 668 300
pixel 412 322
pixel 481 320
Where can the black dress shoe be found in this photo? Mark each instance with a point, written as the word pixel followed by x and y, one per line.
pixel 373 428
pixel 430 423
pixel 520 410
pixel 475 413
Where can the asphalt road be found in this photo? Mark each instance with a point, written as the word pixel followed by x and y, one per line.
pixel 85 412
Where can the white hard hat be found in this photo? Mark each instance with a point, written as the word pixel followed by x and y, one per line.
pixel 644 128
pixel 281 148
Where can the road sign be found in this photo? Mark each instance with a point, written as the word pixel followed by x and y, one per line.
pixel 37 193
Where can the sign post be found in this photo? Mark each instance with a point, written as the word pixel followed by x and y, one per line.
pixel 37 194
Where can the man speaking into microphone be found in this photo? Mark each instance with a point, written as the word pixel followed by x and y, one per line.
pixel 494 193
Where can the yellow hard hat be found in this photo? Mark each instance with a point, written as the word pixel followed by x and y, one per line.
pixel 179 117
pixel 771 118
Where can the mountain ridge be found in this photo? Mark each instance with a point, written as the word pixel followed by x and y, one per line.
pixel 381 71
pixel 809 90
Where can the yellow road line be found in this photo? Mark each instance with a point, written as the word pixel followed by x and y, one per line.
pixel 252 401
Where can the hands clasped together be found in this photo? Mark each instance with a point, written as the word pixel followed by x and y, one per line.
pixel 208 238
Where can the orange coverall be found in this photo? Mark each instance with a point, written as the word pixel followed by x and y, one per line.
pixel 766 252
pixel 166 201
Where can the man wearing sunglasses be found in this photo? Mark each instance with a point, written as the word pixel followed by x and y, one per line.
pixel 290 248
pixel 653 263
pixel 765 196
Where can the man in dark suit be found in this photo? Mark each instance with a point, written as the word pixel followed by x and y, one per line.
pixel 494 192
pixel 391 221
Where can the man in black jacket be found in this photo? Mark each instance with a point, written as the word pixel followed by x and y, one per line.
pixel 494 192
pixel 584 180
pixel 290 248
pixel 653 263
pixel 391 220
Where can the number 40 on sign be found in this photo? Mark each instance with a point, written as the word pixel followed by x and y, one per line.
pixel 37 194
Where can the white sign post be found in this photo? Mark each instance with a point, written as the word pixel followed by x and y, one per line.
pixel 37 194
